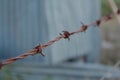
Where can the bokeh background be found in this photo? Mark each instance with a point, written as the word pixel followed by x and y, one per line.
pixel 91 55
pixel 110 36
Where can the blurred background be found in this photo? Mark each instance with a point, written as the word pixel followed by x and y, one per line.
pixel 91 55
pixel 110 36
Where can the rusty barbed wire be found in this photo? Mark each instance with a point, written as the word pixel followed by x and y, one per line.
pixel 65 34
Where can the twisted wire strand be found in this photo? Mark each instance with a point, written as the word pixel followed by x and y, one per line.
pixel 66 34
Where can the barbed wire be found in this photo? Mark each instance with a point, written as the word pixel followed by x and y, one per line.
pixel 65 34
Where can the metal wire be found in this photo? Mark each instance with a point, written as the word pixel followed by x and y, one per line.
pixel 65 34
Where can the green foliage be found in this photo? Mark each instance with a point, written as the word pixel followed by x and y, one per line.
pixel 106 9
pixel 7 73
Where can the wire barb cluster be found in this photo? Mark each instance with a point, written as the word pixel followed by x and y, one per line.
pixel 1 65
pixel 39 49
pixel 118 12
pixel 65 34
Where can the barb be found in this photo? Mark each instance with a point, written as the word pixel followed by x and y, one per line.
pixel 39 49
pixel 114 9
pixel 66 35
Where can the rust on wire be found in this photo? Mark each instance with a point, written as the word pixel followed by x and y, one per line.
pixel 1 65
pixel 39 49
pixel 118 11
pixel 83 28
pixel 98 22
pixel 66 35
pixel 108 17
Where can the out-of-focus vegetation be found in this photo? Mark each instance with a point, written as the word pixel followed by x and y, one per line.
pixel 7 74
pixel 110 34
pixel 106 8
